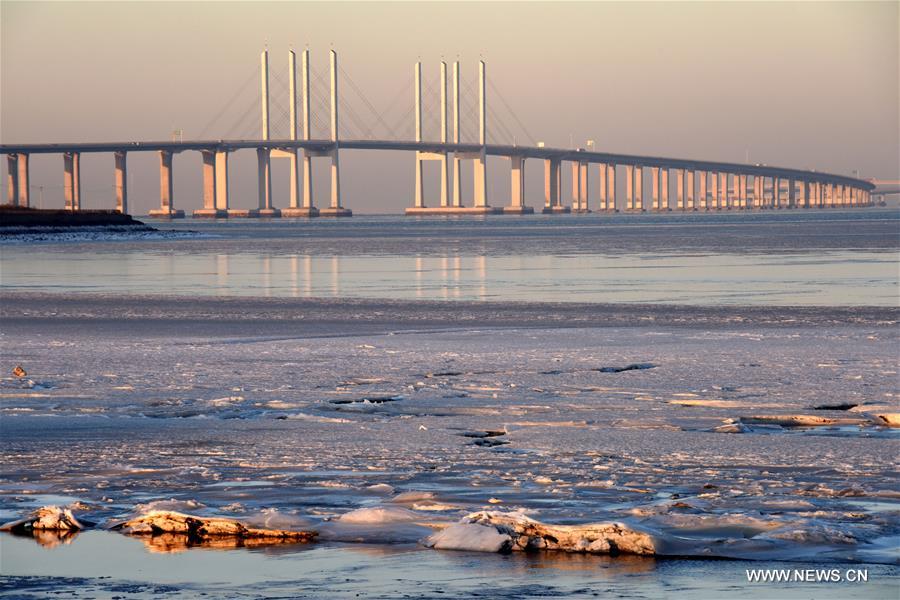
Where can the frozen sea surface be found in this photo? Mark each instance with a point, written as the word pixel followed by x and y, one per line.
pixel 569 425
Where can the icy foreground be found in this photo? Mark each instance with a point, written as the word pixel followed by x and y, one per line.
pixel 682 435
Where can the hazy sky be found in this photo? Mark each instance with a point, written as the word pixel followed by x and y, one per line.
pixel 808 85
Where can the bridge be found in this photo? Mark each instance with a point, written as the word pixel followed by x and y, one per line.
pixel 699 185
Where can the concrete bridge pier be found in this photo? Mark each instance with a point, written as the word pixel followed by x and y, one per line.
pixel 551 187
pixel 517 188
pixel 166 208
pixel 576 183
pixel 633 186
pixel 743 196
pixel 264 185
pixel 294 184
pixel 608 187
pixel 12 179
pixel 679 189
pixel 733 193
pixel 701 190
pixel 655 188
pixel 638 188
pixel 456 197
pixel 792 193
pixel 690 203
pixel 445 180
pixel 479 176
pixel 723 192
pixel 210 187
pixel 72 180
pixel 335 209
pixel 611 204
pixel 121 179
pixel 629 188
pixel 579 186
pixel 716 191
pixel 664 191
pixel 23 185
pixel 307 208
pixel 584 187
pixel 601 175
pixel 222 196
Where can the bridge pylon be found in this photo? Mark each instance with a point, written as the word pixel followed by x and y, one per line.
pixel 453 204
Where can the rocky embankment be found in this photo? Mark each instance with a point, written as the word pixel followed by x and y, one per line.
pixel 18 220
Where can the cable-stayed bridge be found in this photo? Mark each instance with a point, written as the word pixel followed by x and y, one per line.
pixel 326 111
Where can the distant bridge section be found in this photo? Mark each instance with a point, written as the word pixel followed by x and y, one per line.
pixel 699 185
pixel 885 187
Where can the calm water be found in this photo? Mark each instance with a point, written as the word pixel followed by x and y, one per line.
pixel 771 258
pixel 104 565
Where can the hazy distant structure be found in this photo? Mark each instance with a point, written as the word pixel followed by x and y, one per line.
pixel 699 185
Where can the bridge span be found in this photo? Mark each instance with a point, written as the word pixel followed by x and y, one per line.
pixel 699 184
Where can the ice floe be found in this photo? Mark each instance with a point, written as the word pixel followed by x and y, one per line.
pixel 46 518
pixel 157 522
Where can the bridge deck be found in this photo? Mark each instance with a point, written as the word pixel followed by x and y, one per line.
pixel 566 154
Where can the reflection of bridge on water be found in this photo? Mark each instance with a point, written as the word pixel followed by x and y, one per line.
pixel 698 185
pixel 313 276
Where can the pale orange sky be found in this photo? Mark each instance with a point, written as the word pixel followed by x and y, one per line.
pixel 808 85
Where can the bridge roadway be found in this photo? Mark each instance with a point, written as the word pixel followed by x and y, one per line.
pixel 815 188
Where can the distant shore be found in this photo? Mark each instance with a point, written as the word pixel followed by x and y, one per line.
pixel 20 219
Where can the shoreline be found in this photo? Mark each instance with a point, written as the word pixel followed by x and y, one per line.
pixel 16 220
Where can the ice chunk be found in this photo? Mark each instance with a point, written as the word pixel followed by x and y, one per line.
pixel 158 522
pixel 470 536
pixel 798 420
pixel 593 538
pixel 378 515
pixel 46 518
